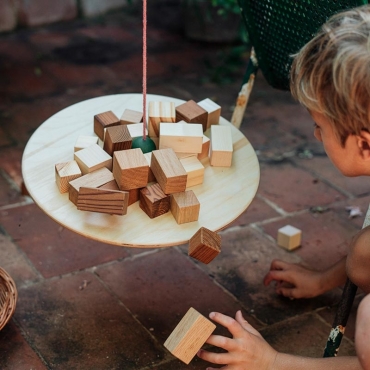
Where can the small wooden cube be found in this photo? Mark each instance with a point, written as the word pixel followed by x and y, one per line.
pixel 92 158
pixel 66 172
pixel 130 116
pixel 194 169
pixel 130 169
pixel 193 113
pixel 205 148
pixel 189 335
pixel 160 112
pixel 204 245
pixel 136 130
pixel 104 120
pixel 117 138
pixel 221 147
pixel 213 110
pixel 83 141
pixel 153 201
pixel 289 237
pixel 185 207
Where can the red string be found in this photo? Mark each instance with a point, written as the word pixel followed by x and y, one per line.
pixel 144 69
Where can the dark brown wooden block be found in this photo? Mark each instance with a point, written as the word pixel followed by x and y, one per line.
pixel 204 245
pixel 153 201
pixel 104 120
pixel 191 112
pixel 117 138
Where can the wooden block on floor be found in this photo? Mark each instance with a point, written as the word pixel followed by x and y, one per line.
pixel 189 335
pixel 130 116
pixel 153 201
pixel 117 138
pixel 93 180
pixel 92 158
pixel 205 148
pixel 102 200
pixel 160 112
pixel 104 120
pixel 136 130
pixel 185 207
pixel 130 169
pixel 66 172
pixel 205 245
pixel 168 171
pixel 151 177
pixel 181 137
pixel 84 141
pixel 194 169
pixel 221 147
pixel 213 110
pixel 193 113
pixel 289 237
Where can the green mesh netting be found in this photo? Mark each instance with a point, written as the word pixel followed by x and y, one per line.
pixel 279 28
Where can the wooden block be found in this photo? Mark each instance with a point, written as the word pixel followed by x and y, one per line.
pixel 92 158
pixel 93 180
pixel 133 196
pixel 194 169
pixel 181 137
pixel 104 120
pixel 289 237
pixel 160 112
pixel 130 116
pixel 193 113
pixel 205 148
pixel 130 169
pixel 102 200
pixel 205 245
pixel 84 141
pixel 153 201
pixel 168 171
pixel 151 177
pixel 136 130
pixel 221 147
pixel 185 207
pixel 111 185
pixel 117 138
pixel 213 110
pixel 185 155
pixel 66 172
pixel 189 335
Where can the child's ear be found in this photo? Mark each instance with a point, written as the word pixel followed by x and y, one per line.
pixel 363 142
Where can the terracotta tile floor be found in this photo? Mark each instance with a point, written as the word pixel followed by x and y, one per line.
pixel 132 298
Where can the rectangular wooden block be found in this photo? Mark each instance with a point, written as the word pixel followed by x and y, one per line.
pixel 181 137
pixel 189 335
pixel 104 120
pixel 83 141
pixel 289 237
pixel 117 138
pixel 130 169
pixel 92 158
pixel 130 116
pixel 221 147
pixel 153 201
pixel 160 112
pixel 168 171
pixel 185 207
pixel 136 130
pixel 193 113
pixel 204 245
pixel 213 110
pixel 205 148
pixel 194 169
pixel 93 179
pixel 66 172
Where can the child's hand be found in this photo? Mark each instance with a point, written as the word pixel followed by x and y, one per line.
pixel 246 350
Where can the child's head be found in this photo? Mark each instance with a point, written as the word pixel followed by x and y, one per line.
pixel 331 73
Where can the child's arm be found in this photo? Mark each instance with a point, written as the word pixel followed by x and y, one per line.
pixel 296 281
pixel 248 350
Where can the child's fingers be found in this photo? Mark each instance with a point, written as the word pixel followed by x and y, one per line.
pixel 276 275
pixel 220 341
pixel 245 324
pixel 279 265
pixel 228 322
pixel 287 292
pixel 215 358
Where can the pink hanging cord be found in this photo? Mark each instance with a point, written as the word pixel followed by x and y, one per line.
pixel 144 69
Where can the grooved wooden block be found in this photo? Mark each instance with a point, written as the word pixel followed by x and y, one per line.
pixel 168 171
pixel 193 113
pixel 92 158
pixel 153 201
pixel 117 138
pixel 104 120
pixel 189 335
pixel 181 137
pixel 84 141
pixel 194 169
pixel 151 177
pixel 185 207
pixel 213 110
pixel 205 148
pixel 205 245
pixel 93 179
pixel 221 148
pixel 136 130
pixel 66 172
pixel 102 200
pixel 160 112
pixel 289 237
pixel 130 169
pixel 130 116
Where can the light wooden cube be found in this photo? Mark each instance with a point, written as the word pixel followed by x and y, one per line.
pixel 84 141
pixel 104 120
pixel 221 147
pixel 136 130
pixel 153 201
pixel 289 237
pixel 194 169
pixel 66 172
pixel 213 110
pixel 205 148
pixel 130 116
pixel 160 112
pixel 185 207
pixel 130 169
pixel 204 245
pixel 117 138
pixel 193 113
pixel 189 335
pixel 92 158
